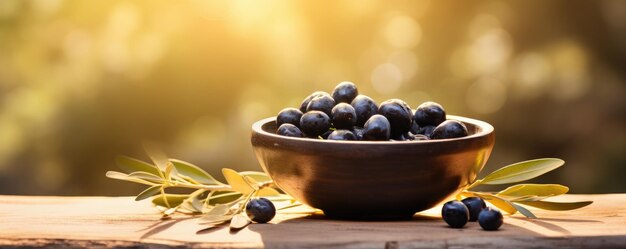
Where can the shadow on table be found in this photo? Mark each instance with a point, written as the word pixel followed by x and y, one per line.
pixel 432 231
pixel 546 223
pixel 161 226
pixel 421 231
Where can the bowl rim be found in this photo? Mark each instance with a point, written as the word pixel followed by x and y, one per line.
pixel 483 127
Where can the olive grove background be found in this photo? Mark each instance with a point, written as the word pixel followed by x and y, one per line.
pixel 84 81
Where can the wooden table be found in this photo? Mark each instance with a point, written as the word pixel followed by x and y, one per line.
pixel 29 221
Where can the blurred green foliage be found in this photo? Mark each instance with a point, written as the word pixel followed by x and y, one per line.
pixel 84 81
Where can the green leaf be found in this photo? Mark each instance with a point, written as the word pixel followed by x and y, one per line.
pixel 116 175
pixel 524 211
pixel 526 198
pixel 196 204
pixel 192 204
pixel 289 206
pixel 130 165
pixel 522 171
pixel 238 222
pixel 251 182
pixel 217 214
pixel 146 176
pixel 267 192
pixel 257 176
pixel 170 211
pixel 194 172
pixel 124 177
pixel 556 206
pixel 215 219
pixel 151 191
pixel 157 156
pixel 499 202
pixel 546 190
pixel 224 198
pixel 169 168
pixel 281 197
pixel 236 181
pixel 173 199
pixel 219 209
pixel 187 208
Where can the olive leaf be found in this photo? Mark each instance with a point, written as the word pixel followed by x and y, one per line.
pixel 194 172
pixel 196 204
pixel 497 201
pixel 238 222
pixel 169 168
pixel 291 205
pixel 522 171
pixel 236 181
pixel 224 198
pixel 149 192
pixel 125 177
pixel 257 176
pixel 521 190
pixel 556 206
pixel 251 182
pixel 216 219
pixel 524 211
pixel 526 198
pixel 130 165
pixel 219 209
pixel 265 192
pixel 219 213
pixel 157 156
pixel 171 199
pixel 170 211
pixel 254 183
pixel 187 207
pixel 281 197
pixel 146 176
pixel 188 204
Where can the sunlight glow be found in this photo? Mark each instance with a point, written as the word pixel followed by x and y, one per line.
pixel 533 73
pixel 406 61
pixel 486 95
pixel 386 78
pixel 403 32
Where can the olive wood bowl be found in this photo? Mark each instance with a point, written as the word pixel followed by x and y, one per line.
pixel 372 180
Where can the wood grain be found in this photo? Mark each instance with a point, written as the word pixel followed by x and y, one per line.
pixel 61 222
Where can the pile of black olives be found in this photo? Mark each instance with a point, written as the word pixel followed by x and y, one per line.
pixel 458 213
pixel 346 115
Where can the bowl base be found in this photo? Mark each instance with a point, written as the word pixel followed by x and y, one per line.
pixel 342 215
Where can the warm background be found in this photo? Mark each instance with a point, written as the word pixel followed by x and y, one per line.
pixel 83 81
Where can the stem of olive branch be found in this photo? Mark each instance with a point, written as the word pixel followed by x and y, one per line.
pixel 221 187
pixel 214 187
pixel 199 186
pixel 474 184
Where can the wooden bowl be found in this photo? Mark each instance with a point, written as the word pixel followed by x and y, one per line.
pixel 368 180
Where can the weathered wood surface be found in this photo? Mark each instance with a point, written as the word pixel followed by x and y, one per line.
pixel 28 221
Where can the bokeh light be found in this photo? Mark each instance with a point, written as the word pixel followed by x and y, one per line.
pixel 387 78
pixel 486 95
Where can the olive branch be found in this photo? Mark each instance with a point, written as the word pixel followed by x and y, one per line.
pixel 216 201
pixel 514 198
pixel 219 202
